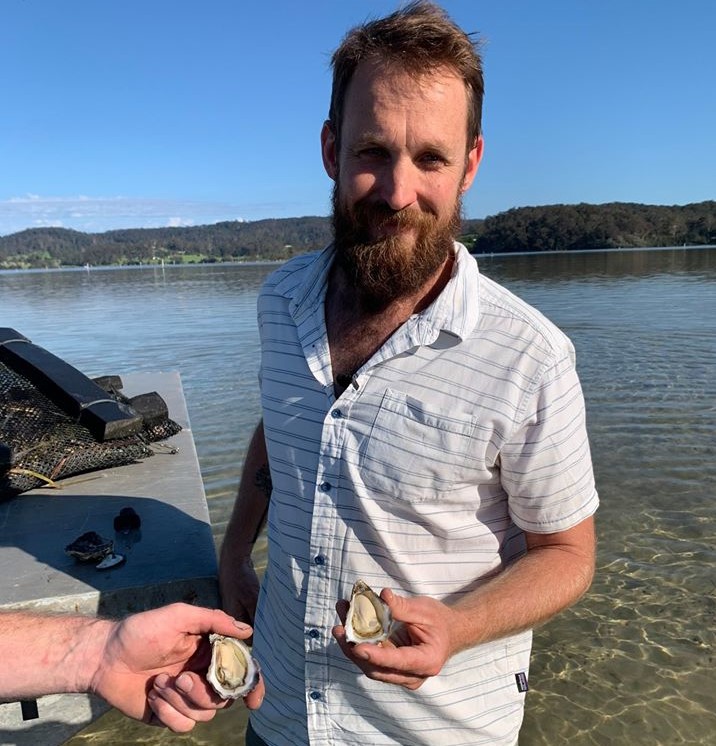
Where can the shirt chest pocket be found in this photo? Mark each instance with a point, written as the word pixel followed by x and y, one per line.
pixel 417 452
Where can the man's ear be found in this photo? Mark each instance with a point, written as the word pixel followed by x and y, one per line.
pixel 473 163
pixel 329 150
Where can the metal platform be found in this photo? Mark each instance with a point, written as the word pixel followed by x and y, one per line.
pixel 170 558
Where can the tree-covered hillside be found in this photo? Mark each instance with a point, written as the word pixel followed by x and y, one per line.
pixel 547 228
pixel 229 241
pixel 584 226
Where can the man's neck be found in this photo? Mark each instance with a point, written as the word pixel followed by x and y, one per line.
pixel 355 333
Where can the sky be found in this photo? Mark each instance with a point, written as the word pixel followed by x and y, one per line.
pixel 150 113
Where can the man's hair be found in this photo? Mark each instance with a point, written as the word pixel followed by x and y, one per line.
pixel 416 39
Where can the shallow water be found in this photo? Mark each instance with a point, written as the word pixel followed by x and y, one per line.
pixel 633 662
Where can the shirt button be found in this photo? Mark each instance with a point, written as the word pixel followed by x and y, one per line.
pixel 324 486
pixel 319 559
pixel 315 695
pixel 314 634
pixel 336 414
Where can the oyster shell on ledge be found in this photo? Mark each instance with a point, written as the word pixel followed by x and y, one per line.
pixel 368 618
pixel 233 671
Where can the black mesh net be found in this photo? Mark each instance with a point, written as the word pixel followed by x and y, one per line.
pixel 40 443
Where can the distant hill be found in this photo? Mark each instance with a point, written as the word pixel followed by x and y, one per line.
pixel 585 226
pixel 228 241
pixel 546 228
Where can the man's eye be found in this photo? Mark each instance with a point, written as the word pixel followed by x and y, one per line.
pixel 371 153
pixel 432 159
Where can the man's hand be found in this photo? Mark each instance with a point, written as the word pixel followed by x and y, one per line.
pixel 417 648
pixel 152 665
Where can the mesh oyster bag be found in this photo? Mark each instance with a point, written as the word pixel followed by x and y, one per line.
pixel 55 422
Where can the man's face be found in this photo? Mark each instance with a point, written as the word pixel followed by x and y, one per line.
pixel 401 169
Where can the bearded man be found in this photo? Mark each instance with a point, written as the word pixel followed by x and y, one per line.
pixel 423 430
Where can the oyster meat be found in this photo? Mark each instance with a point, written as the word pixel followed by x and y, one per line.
pixel 368 618
pixel 233 671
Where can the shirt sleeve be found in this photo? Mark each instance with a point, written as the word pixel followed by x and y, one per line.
pixel 546 464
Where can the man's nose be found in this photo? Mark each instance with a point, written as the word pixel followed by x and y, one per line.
pixel 399 184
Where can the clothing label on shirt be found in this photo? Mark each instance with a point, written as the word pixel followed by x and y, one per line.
pixel 522 685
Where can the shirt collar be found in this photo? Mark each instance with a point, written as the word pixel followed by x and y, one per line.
pixel 455 310
pixel 306 287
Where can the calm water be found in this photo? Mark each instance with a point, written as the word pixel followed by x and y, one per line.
pixel 633 663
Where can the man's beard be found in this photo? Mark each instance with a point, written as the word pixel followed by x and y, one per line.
pixel 396 266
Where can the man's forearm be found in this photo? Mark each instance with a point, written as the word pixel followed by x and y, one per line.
pixel 249 513
pixel 43 654
pixel 555 572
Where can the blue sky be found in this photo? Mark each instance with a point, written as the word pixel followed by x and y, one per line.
pixel 144 113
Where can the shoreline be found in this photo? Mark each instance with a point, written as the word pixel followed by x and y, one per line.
pixel 270 262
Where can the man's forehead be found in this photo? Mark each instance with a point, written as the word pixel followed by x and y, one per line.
pixel 372 75
pixel 378 91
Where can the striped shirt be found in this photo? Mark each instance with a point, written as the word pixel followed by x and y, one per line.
pixel 464 429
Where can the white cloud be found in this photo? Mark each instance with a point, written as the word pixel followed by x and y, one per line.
pixel 97 214
pixel 26 198
pixel 179 222
pixel 42 223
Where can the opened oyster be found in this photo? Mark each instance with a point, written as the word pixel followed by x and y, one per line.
pixel 369 618
pixel 233 671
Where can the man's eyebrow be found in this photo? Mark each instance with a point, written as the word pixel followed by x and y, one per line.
pixel 368 139
pixel 373 139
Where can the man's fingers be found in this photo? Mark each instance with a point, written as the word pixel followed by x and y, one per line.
pixel 403 609
pixel 254 698
pixel 365 656
pixel 407 659
pixel 200 621
pixel 397 679
pixel 164 714
pixel 188 694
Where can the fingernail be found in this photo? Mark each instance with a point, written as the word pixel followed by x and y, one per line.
pixel 184 682
pixel 152 696
pixel 241 626
pixel 161 681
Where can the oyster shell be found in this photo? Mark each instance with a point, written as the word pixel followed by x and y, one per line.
pixel 368 618
pixel 90 547
pixel 233 671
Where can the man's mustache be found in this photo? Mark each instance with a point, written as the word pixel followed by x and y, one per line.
pixel 381 215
